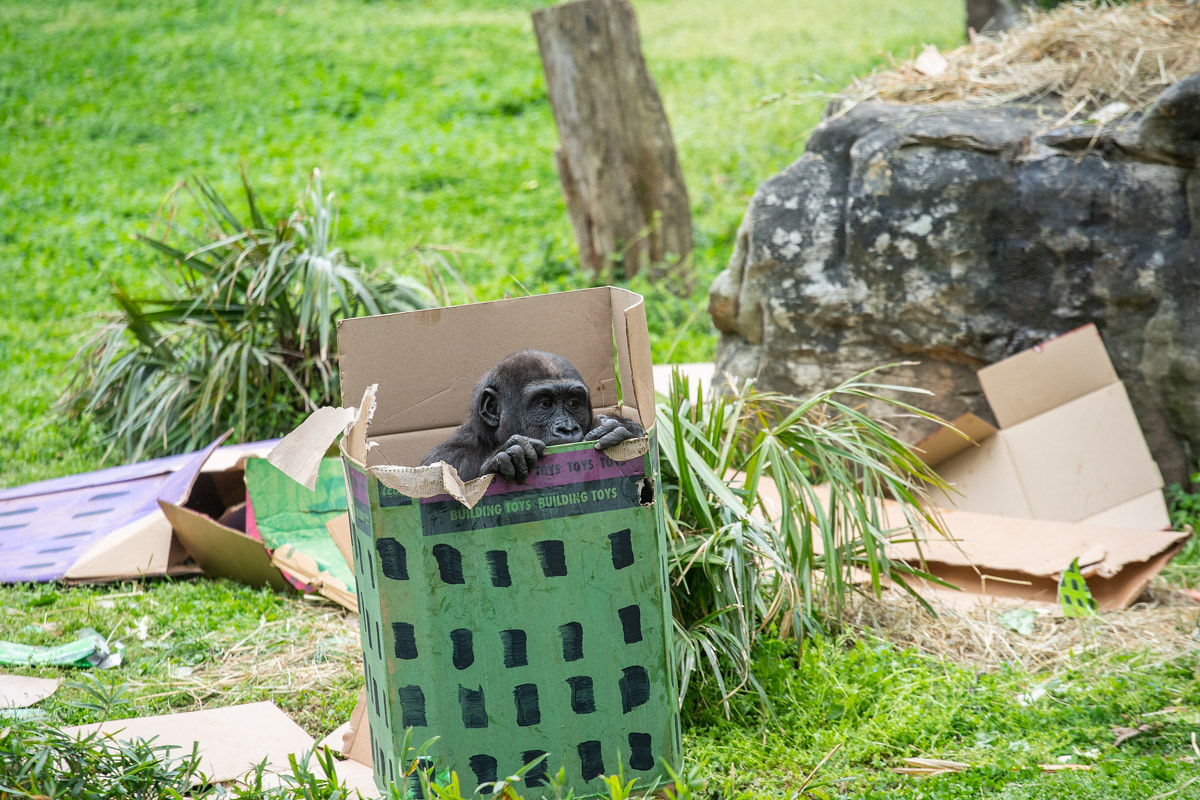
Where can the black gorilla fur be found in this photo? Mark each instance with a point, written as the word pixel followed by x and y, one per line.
pixel 528 401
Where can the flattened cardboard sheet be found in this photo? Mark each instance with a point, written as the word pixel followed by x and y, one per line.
pixel 104 525
pixel 1004 557
pixel 230 741
pixel 97 525
pixel 22 691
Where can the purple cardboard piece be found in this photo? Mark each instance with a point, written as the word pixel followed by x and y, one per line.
pixel 47 527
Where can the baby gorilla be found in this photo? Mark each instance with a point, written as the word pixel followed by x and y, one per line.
pixel 528 401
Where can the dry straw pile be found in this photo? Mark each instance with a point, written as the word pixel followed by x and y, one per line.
pixel 1081 56
pixel 1163 626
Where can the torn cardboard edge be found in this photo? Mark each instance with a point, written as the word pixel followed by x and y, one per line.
pixel 231 741
pixel 221 550
pixel 1069 447
pixel 988 557
pixel 1021 559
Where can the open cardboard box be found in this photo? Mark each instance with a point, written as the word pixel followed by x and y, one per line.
pixel 574 554
pixel 1068 450
pixel 210 522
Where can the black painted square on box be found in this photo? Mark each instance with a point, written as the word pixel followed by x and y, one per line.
pixel 538 774
pixel 462 648
pixel 484 767
pixel 635 687
pixel 498 567
pixel 631 623
pixel 526 698
pixel 621 545
pixel 474 712
pixel 591 759
pixel 583 696
pixel 552 555
pixel 406 640
pixel 572 640
pixel 449 562
pixel 513 644
pixel 412 706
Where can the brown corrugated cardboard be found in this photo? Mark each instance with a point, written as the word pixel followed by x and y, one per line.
pixel 22 691
pixel 1003 558
pixel 231 741
pixel 411 377
pixel 220 550
pixel 1069 447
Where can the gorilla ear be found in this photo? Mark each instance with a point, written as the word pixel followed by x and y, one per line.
pixel 489 407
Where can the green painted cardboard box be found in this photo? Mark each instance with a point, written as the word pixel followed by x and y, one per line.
pixel 509 620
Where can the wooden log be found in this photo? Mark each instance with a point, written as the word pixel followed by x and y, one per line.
pixel 616 158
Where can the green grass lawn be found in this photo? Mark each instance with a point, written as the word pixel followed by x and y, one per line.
pixel 429 119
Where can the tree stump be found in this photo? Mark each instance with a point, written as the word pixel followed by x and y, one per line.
pixel 616 157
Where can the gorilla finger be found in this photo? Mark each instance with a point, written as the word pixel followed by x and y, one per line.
pixel 530 452
pixel 617 436
pixel 520 468
pixel 504 466
pixel 607 425
pixel 539 447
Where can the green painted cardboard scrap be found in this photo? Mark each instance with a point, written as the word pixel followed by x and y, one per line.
pixel 292 520
pixel 89 649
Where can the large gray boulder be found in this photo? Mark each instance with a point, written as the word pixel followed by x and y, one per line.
pixel 958 236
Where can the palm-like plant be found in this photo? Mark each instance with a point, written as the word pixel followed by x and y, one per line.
pixel 241 335
pixel 773 516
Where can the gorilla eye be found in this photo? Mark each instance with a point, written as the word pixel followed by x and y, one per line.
pixel 545 402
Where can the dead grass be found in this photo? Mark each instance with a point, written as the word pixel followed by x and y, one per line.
pixel 1164 626
pixel 1080 57
pixel 284 658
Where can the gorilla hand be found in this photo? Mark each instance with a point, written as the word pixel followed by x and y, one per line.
pixel 515 458
pixel 612 430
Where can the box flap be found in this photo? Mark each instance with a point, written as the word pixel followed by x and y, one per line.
pixel 453 347
pixel 1082 457
pixel 298 455
pixel 1148 512
pixel 943 444
pixel 223 552
pixel 1036 380
pixel 352 739
pixel 139 548
pixel 983 479
pixel 339 531
pixel 633 359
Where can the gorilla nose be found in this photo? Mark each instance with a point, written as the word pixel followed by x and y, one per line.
pixel 568 431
